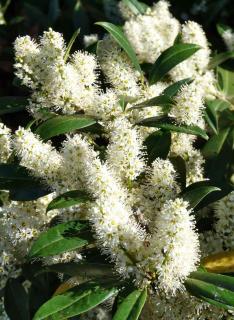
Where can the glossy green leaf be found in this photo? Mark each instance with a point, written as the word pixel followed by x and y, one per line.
pixel 220 58
pixel 226 82
pixel 136 6
pixel 167 123
pixel 161 100
pixel 16 300
pixel 174 88
pixel 194 195
pixel 157 145
pixel 215 143
pixel 212 112
pixel 216 289
pixel 63 124
pixel 64 237
pixel 70 44
pixel 132 305
pixel 12 104
pixel 118 35
pixel 75 301
pixel 69 199
pixel 170 58
pixel 21 185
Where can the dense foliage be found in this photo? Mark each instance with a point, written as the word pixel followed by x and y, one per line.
pixel 117 196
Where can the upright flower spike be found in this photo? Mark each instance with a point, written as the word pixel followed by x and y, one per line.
pixel 174 246
pixel 39 157
pixel 153 32
pixel 118 68
pixel 125 150
pixel 117 233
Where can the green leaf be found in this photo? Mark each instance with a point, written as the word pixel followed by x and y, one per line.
pixel 167 123
pixel 135 6
pixel 157 145
pixel 221 28
pixel 216 289
pixel 16 300
pixel 196 193
pixel 70 44
pixel 212 112
pixel 21 185
pixel 63 124
pixel 69 199
pixel 220 58
pixel 180 167
pixel 170 58
pixel 161 100
pixel 118 35
pixel 174 88
pixel 64 237
pixel 215 143
pixel 132 305
pixel 75 301
pixel 12 104
pixel 226 82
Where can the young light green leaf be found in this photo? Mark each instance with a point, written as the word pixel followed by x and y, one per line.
pixel 69 199
pixel 136 6
pixel 174 88
pixel 167 123
pixel 194 195
pixel 118 35
pixel 162 100
pixel 64 237
pixel 157 145
pixel 132 305
pixel 214 145
pixel 216 289
pixel 70 44
pixel 170 58
pixel 220 58
pixel 75 301
pixel 12 104
pixel 63 124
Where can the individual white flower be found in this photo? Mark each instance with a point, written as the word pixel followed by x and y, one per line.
pixel 188 105
pixel 118 68
pixel 124 152
pixel 197 64
pixel 112 219
pixel 39 157
pixel 90 39
pixel 174 246
pixel 228 37
pixel 153 32
pixel 5 143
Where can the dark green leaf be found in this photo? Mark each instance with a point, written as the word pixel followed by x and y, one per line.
pixel 69 199
pixel 62 124
pixel 132 305
pixel 174 88
pixel 180 167
pixel 64 237
pixel 70 44
pixel 220 58
pixel 16 301
pixel 161 100
pixel 167 123
pixel 21 185
pixel 75 301
pixel 157 145
pixel 117 33
pixel 170 58
pixel 217 289
pixel 135 6
pixel 215 144
pixel 197 193
pixel 12 104
pixel 212 112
